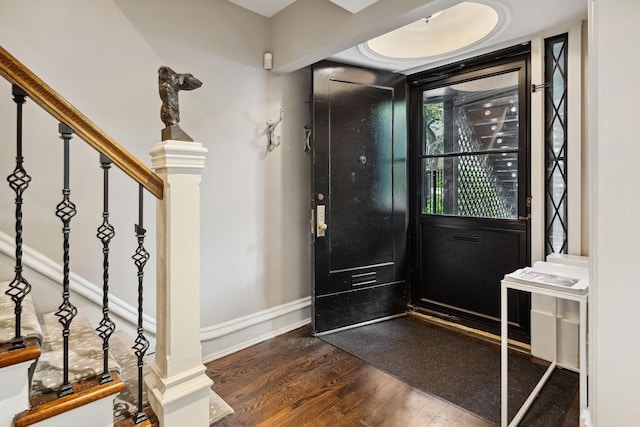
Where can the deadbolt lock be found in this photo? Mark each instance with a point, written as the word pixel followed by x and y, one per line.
pixel 321 225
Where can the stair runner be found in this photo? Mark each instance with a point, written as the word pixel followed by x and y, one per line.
pixel 30 325
pixel 85 356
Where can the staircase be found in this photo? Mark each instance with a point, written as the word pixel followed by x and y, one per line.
pixel 56 368
pixel 94 401
pixel 105 403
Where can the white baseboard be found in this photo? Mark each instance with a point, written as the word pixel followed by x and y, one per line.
pixel 36 262
pixel 237 334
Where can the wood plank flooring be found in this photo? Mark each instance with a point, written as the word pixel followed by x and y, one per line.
pixel 298 380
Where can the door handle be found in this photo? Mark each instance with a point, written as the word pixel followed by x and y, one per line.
pixel 321 225
pixel 525 218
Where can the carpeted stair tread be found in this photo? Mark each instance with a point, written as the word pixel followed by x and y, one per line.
pixel 30 327
pixel 85 354
pixel 218 408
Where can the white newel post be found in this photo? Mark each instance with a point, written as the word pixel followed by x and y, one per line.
pixel 178 386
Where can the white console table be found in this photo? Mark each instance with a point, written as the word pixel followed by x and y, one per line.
pixel 557 292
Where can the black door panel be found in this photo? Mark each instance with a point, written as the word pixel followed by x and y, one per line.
pixel 359 179
pixel 345 309
pixel 488 252
pixel 360 151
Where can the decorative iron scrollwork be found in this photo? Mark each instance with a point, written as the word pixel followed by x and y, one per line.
pixel 106 232
pixel 140 258
pixel 66 210
pixel 19 181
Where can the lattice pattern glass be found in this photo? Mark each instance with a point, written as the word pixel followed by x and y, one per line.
pixel 483 186
pixel 556 236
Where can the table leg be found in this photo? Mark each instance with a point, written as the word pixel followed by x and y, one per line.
pixel 504 354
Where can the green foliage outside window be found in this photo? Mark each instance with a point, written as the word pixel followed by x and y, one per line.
pixel 434 203
pixel 434 144
pixel 434 128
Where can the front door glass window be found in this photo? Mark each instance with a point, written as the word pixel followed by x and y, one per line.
pixel 470 148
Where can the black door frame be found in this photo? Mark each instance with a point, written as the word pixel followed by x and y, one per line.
pixel 417 82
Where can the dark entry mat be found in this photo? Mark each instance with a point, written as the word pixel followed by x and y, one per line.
pixel 456 369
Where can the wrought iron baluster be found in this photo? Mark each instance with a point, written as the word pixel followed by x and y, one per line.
pixel 66 311
pixel 19 180
pixel 141 345
pixel 106 232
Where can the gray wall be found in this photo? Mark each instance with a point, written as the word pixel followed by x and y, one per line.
pixel 103 58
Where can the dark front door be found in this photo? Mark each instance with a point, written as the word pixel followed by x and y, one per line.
pixel 359 195
pixel 470 205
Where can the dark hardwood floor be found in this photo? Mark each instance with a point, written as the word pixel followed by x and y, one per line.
pixel 298 380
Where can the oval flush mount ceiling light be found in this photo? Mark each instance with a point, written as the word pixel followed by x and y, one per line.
pixel 451 30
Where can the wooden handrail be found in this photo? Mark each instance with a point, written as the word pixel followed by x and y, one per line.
pixel 47 98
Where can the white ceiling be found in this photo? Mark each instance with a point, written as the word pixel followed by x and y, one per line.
pixel 269 8
pixel 266 8
pixel 524 18
pixel 353 6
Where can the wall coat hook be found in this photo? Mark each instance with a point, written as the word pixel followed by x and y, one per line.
pixel 307 139
pixel 271 127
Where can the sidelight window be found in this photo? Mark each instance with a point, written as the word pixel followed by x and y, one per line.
pixel 556 145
